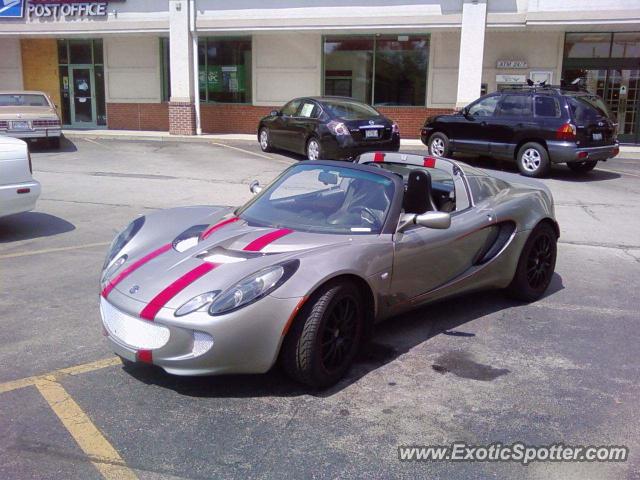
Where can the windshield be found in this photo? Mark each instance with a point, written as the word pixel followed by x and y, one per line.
pixel 323 199
pixel 587 107
pixel 349 109
pixel 20 100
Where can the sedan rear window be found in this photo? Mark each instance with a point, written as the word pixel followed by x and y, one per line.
pixel 23 100
pixel 350 110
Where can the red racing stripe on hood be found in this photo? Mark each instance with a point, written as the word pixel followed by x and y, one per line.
pixel 259 243
pixel 218 226
pixel 159 301
pixel 132 268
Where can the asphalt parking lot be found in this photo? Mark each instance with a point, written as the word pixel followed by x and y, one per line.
pixel 480 369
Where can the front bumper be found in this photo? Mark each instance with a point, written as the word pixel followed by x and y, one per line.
pixel 33 133
pixel 245 341
pixel 346 147
pixel 565 152
pixel 19 197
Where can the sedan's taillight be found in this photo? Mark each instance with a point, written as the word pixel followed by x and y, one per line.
pixel 46 123
pixel 566 132
pixel 338 128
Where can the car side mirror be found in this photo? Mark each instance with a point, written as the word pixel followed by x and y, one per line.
pixel 255 187
pixel 275 113
pixel 437 220
pixel 465 111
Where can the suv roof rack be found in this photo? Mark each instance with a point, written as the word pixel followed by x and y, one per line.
pixel 542 88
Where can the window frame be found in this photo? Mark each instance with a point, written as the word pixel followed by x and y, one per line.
pixel 370 101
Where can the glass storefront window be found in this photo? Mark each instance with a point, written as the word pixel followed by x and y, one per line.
pixel 626 45
pixel 348 64
pixel 382 70
pixel 225 70
pixel 401 70
pixel 587 45
pixel 80 52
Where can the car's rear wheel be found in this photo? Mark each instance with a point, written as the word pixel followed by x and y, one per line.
pixel 533 160
pixel 326 336
pixel 314 150
pixel 265 140
pixel 582 167
pixel 536 264
pixel 439 145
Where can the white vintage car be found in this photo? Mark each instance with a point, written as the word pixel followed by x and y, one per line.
pixel 30 116
pixel 18 190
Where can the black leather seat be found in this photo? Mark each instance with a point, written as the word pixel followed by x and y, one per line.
pixel 417 196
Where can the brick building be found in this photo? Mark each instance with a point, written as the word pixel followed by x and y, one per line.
pixel 206 65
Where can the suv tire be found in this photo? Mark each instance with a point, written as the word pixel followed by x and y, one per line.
pixel 533 160
pixel 439 145
pixel 582 167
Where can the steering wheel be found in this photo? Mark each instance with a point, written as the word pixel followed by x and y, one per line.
pixel 368 216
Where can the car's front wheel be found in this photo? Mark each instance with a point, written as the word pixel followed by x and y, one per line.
pixel 265 140
pixel 439 145
pixel 326 336
pixel 582 167
pixel 533 160
pixel 314 150
pixel 536 264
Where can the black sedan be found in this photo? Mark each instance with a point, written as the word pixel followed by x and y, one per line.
pixel 328 128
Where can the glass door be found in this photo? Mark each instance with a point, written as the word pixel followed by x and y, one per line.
pixel 623 99
pixel 83 105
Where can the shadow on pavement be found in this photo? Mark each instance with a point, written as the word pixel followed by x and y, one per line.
pixel 392 339
pixel 29 225
pixel 41 146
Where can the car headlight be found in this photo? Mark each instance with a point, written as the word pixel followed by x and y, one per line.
pixel 189 238
pixel 115 266
pixel 196 303
pixel 122 239
pixel 253 288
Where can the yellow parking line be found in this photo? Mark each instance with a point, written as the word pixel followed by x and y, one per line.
pixel 52 250
pixel 101 453
pixel 76 370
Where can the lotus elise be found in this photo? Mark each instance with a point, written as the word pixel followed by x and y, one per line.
pixel 302 272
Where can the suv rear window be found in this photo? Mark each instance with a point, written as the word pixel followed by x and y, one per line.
pixel 585 108
pixel 515 106
pixel 546 107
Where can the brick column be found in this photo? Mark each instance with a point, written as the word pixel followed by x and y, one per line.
pixel 182 118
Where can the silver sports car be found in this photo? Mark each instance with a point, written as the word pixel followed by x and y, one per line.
pixel 303 271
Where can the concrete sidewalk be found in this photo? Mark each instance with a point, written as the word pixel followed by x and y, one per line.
pixel 166 137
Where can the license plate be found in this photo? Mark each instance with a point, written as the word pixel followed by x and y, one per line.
pixel 371 134
pixel 596 136
pixel 20 125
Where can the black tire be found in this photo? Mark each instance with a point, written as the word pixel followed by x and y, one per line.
pixel 54 143
pixel 582 167
pixel 438 145
pixel 317 350
pixel 533 160
pixel 309 149
pixel 265 146
pixel 536 264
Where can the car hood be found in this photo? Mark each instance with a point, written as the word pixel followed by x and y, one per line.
pixel 229 254
pixel 26 113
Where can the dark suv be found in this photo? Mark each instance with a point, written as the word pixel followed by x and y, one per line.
pixel 534 126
